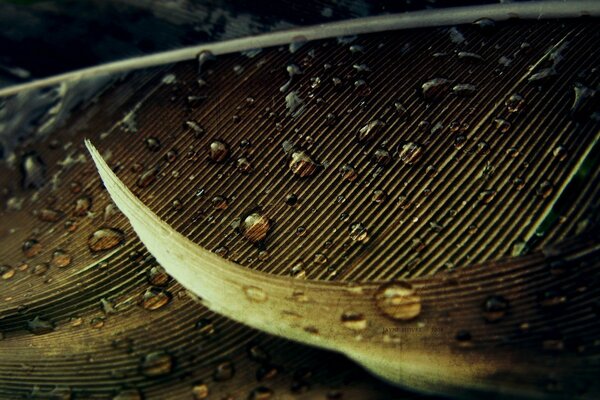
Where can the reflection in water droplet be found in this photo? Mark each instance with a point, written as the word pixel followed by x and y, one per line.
pixel 398 300
pixel 354 321
pixel 105 239
pixel 495 308
pixel 255 227
pixel 157 363
pixel 255 294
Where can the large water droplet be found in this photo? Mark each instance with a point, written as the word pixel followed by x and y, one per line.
pixel 255 227
pixel 398 300
pixel 60 259
pixel 105 239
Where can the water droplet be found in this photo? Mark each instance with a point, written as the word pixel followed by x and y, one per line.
pixel 486 196
pixel 320 259
pixel 218 151
pixel 244 166
pixel 147 177
pixel 515 103
pixel 49 215
pixel 255 294
pixel 206 327
pixel 584 100
pixel 560 152
pixel 502 125
pixel 435 89
pixel 105 239
pixel 31 248
pixel 464 89
pixel 129 394
pixel 7 272
pixel 82 206
pixel 157 363
pixel 463 338
pixel 543 76
pixel 60 259
pixel 544 189
pixel 291 199
pixel 39 326
pixel 495 308
pixel 302 165
pixel 298 270
pixel 155 298
pixel 157 276
pixel 224 371
pixel 255 227
pixel 354 321
pixel 200 391
pixel 261 393
pixel 152 143
pixel 348 172
pixel 410 152
pixel 398 300
pixel 379 196
pixel 219 203
pixel 359 233
pixel 382 157
pixel 204 57
pixel 370 131
pixel 469 57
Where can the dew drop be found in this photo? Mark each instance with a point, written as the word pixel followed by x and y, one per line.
pixel 398 300
pixel 302 165
pixel 354 321
pixel 255 294
pixel 218 151
pixel 105 239
pixel 495 308
pixel 155 298
pixel 255 227
pixel 370 131
pixel 31 248
pixel 83 204
pixel 157 363
pixel 152 143
pixel 515 103
pixel 348 172
pixel 359 233
pixel 410 152
pixel 60 259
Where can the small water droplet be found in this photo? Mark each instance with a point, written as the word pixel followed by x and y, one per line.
pixel 515 103
pixel 348 172
pixel 39 326
pixel 60 259
pixel 157 363
pixel 155 298
pixel 219 202
pixel 370 131
pixel 359 233
pixel 206 327
pixel 31 248
pixel 224 371
pixel 435 89
pixel 410 152
pixel 49 215
pixel 469 57
pixel 105 239
pixel 302 165
pixel 464 89
pixel 544 189
pixel 157 276
pixel 255 294
pixel 7 272
pixel 200 391
pixel 33 171
pixel 354 321
pixel 261 393
pixel 398 300
pixel 83 204
pixel 495 308
pixel 218 151
pixel 152 143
